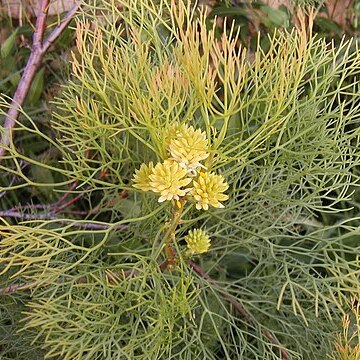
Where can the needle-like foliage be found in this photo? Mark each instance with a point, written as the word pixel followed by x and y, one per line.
pixel 282 129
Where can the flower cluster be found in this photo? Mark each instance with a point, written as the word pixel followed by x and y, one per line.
pixel 182 174
pixel 198 241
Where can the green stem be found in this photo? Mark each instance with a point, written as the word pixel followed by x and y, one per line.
pixel 170 233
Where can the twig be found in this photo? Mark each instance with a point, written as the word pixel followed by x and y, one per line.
pixel 38 50
pixel 72 187
pixel 240 309
pixel 70 202
pixel 83 225
pixel 14 178
pixel 29 207
pixel 11 183
pixel 333 10
pixel 63 198
pixel 14 288
pixel 60 205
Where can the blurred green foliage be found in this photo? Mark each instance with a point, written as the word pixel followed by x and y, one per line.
pixel 252 18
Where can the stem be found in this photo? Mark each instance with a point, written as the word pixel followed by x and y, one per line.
pixel 170 236
pixel 17 287
pixel 74 223
pixel 333 10
pixel 38 50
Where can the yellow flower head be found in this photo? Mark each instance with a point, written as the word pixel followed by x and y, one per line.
pixel 208 190
pixel 168 179
pixel 141 177
pixel 187 145
pixel 198 241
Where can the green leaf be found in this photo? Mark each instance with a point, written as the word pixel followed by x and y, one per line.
pixel 42 175
pixel 37 87
pixel 8 46
pixel 14 78
pixel 276 17
pixel 228 11
pixel 128 208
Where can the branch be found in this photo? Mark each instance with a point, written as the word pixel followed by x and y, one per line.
pixel 38 50
pixel 240 309
pixel 40 25
pixel 60 205
pixel 83 225
pixel 17 287
pixel 60 28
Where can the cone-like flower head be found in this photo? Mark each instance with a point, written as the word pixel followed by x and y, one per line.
pixel 187 145
pixel 198 241
pixel 181 174
pixel 169 179
pixel 208 190
pixel 141 177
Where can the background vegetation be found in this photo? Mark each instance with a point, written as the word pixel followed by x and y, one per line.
pixel 82 268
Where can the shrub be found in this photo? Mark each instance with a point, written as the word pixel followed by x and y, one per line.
pixel 118 276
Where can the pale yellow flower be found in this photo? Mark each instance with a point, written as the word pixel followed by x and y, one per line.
pixel 208 190
pixel 141 177
pixel 168 179
pixel 198 241
pixel 187 145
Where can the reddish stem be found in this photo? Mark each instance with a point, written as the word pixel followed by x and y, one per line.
pixel 70 202
pixel 38 50
pixel 72 187
pixel 59 206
